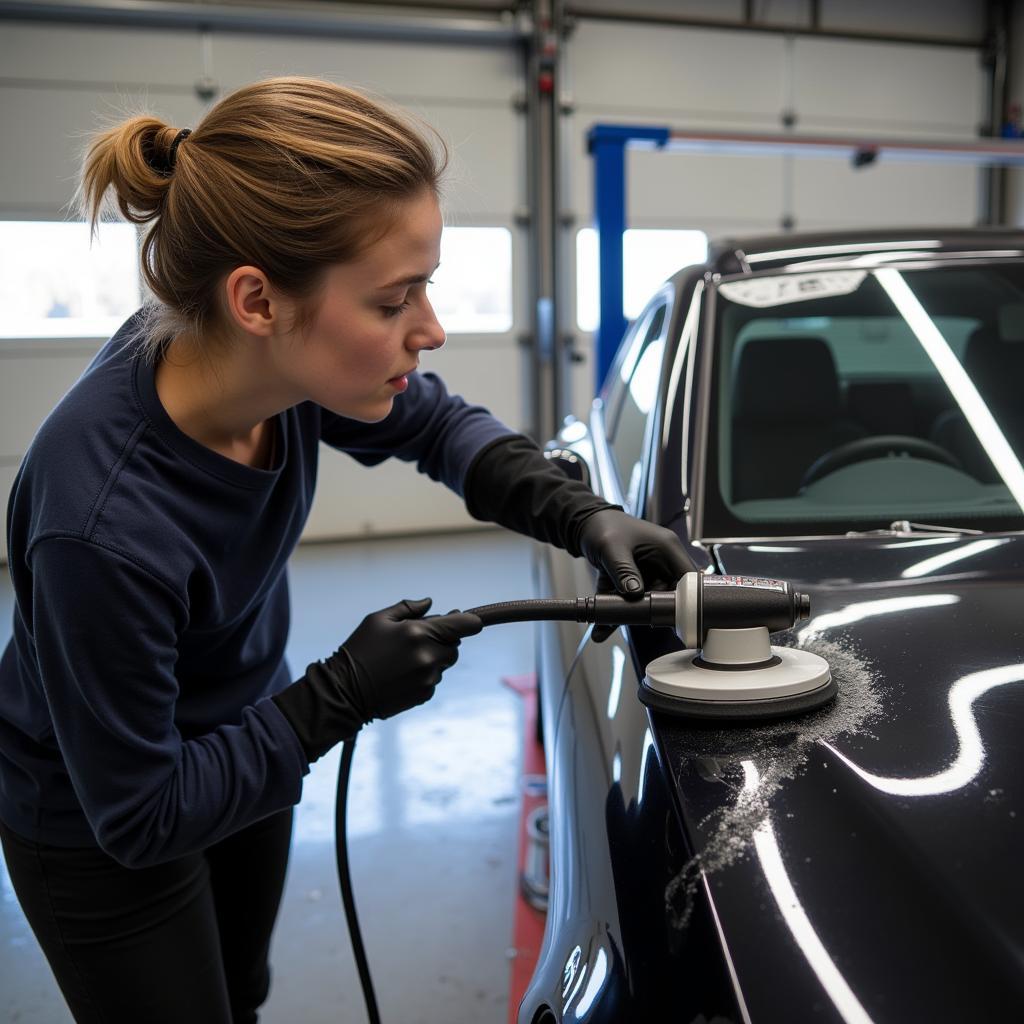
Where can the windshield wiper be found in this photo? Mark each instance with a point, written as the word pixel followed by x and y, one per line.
pixel 906 526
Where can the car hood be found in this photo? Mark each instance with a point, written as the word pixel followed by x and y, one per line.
pixel 865 860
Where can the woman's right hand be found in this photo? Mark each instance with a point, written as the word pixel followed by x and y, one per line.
pixel 395 657
pixel 391 662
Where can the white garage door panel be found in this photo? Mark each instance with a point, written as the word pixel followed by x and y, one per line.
pixel 81 53
pixel 482 371
pixel 405 72
pixel 886 194
pixel 900 89
pixel 353 501
pixel 30 386
pixel 39 174
pixel 696 189
pixel 484 182
pixel 675 70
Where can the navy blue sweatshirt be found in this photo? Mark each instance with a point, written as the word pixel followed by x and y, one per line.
pixel 151 609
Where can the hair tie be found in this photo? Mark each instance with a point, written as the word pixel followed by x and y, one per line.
pixel 172 154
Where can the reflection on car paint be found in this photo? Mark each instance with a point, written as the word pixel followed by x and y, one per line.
pixel 860 610
pixel 929 565
pixel 778 750
pixel 971 754
pixel 796 917
pixel 647 748
pixel 594 985
pixel 615 690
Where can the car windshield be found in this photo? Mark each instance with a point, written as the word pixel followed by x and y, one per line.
pixel 846 399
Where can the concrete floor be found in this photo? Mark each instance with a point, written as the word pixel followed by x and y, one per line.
pixel 433 808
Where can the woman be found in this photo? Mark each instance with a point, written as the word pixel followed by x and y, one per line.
pixel 152 741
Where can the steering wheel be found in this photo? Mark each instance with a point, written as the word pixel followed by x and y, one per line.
pixel 872 448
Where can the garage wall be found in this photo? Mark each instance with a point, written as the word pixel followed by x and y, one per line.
pixel 722 79
pixel 55 82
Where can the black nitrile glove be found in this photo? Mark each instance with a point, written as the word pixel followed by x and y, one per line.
pixel 631 556
pixel 390 663
pixel 511 483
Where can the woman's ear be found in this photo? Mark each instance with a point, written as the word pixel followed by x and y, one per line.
pixel 253 304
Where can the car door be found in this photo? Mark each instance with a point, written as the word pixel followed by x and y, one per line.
pixel 604 676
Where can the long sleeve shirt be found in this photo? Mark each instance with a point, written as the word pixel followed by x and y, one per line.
pixel 152 610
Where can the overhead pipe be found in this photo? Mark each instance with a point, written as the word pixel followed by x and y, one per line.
pixel 477 26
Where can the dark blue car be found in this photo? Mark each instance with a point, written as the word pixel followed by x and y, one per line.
pixel 846 413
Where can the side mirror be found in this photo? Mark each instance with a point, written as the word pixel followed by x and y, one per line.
pixel 570 463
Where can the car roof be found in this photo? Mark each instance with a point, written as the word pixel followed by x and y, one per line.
pixel 747 254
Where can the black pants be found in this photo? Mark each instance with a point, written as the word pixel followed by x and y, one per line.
pixel 184 942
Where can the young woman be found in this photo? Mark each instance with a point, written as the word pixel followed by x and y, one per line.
pixel 152 741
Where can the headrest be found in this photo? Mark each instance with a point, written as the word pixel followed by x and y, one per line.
pixel 785 379
pixel 996 367
pixel 1011 321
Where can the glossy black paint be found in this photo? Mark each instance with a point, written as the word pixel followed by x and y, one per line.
pixel 876 876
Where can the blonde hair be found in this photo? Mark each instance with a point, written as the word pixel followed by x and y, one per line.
pixel 286 174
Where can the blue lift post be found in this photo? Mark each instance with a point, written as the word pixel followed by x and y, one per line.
pixel 607 144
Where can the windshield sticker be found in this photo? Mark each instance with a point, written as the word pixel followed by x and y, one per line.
pixel 762 292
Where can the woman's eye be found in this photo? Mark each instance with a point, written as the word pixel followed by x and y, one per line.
pixel 390 311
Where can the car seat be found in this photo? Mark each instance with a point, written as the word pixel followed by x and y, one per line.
pixel 786 413
pixel 996 368
pixel 883 407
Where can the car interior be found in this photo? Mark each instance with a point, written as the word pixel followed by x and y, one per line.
pixel 834 402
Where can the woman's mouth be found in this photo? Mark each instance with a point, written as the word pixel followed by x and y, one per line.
pixel 400 383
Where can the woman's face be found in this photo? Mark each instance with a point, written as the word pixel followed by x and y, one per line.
pixel 373 320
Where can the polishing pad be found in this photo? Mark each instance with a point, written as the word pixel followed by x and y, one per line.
pixel 738 675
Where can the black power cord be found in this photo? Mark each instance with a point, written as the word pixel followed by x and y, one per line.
pixel 345 880
pixel 651 609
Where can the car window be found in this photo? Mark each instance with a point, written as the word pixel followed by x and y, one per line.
pixel 639 375
pixel 850 399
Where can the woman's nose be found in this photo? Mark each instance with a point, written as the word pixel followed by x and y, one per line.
pixel 431 334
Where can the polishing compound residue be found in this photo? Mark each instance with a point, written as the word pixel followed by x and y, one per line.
pixel 778 751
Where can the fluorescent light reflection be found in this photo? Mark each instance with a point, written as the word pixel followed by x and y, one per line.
pixel 618 664
pixel 971 752
pixel 959 383
pixel 648 747
pixel 796 917
pixel 594 986
pixel 924 542
pixel 947 558
pixel 860 610
pixel 575 989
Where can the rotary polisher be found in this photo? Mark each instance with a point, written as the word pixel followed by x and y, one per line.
pixel 729 669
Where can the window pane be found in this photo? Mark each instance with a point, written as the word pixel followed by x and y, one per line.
pixel 54 285
pixel 638 399
pixel 472 289
pixel 649 257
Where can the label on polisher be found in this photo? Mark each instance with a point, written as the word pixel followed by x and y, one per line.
pixel 757 582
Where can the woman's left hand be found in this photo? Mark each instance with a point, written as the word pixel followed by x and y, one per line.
pixel 631 556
